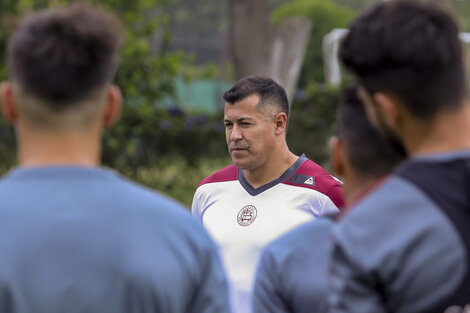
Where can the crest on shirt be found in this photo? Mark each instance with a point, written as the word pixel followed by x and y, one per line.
pixel 247 215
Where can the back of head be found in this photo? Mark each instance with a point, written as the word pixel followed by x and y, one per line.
pixel 272 96
pixel 64 56
pixel 369 154
pixel 410 49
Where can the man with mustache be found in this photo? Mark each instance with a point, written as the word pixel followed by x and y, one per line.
pixel 267 190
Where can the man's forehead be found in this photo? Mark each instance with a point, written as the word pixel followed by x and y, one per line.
pixel 246 107
pixel 238 118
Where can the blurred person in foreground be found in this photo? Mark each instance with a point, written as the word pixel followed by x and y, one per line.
pixel 76 237
pixel 406 246
pixel 267 190
pixel 292 274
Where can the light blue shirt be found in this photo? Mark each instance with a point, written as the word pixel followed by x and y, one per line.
pixel 86 240
pixel 292 274
pixel 398 251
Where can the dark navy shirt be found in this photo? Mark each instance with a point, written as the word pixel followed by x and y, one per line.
pixel 85 240
pixel 405 247
pixel 292 274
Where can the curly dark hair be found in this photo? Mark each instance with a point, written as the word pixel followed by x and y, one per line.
pixel 64 54
pixel 368 153
pixel 410 49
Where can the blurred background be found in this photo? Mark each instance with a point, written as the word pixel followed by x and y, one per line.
pixel 180 56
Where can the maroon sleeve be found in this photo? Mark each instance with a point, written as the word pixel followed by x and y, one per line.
pixel 324 182
pixel 336 195
pixel 227 174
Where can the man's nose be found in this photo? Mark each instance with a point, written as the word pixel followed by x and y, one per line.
pixel 236 133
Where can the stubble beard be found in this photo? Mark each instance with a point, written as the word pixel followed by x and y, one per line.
pixel 390 135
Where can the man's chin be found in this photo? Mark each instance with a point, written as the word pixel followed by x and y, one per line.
pixel 239 162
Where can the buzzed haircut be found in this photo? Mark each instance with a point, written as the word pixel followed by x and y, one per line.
pixel 368 153
pixel 64 55
pixel 411 49
pixel 271 93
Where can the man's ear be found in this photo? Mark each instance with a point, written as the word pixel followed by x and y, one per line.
pixel 390 108
pixel 280 121
pixel 338 156
pixel 7 102
pixel 113 106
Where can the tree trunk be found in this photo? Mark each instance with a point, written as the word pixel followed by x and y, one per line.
pixel 288 53
pixel 259 48
pixel 251 36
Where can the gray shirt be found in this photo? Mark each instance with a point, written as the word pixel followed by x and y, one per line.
pixel 398 250
pixel 85 240
pixel 292 274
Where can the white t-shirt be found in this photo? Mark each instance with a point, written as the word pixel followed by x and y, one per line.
pixel 243 220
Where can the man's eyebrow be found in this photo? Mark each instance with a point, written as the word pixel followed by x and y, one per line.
pixel 241 119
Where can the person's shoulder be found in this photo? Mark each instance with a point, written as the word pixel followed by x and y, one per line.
pixel 299 236
pixel 373 221
pixel 311 168
pixel 312 176
pixel 143 193
pixel 160 209
pixel 382 198
pixel 293 268
pixel 229 173
pixel 367 236
pixel 297 243
pixel 142 202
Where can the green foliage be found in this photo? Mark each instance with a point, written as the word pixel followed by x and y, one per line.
pixel 318 10
pixel 175 177
pixel 312 122
pixel 325 15
pixel 200 15
pixel 142 137
pixel 462 11
pixel 358 5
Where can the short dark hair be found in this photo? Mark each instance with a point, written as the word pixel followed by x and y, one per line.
pixel 368 153
pixel 63 55
pixel 410 49
pixel 270 93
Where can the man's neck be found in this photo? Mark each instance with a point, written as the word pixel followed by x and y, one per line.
pixel 47 149
pixel 355 188
pixel 271 170
pixel 447 132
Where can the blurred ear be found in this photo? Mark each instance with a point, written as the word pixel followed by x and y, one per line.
pixel 280 121
pixel 390 108
pixel 7 102
pixel 113 106
pixel 338 156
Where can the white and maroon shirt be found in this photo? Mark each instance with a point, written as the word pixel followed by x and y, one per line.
pixel 242 219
